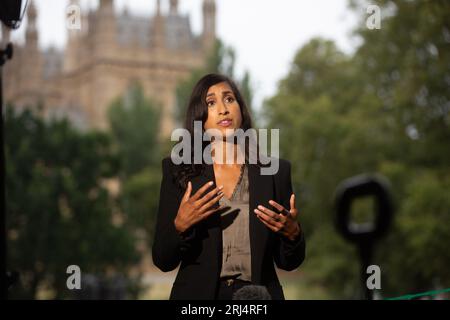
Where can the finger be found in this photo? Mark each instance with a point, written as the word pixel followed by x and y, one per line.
pixel 281 210
pixel 210 212
pixel 276 205
pixel 187 193
pixel 292 202
pixel 208 196
pixel 274 215
pixel 271 227
pixel 211 202
pixel 268 219
pixel 202 190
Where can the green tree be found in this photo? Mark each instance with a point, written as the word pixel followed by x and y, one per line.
pixel 134 121
pixel 407 67
pixel 324 134
pixel 59 212
pixel 383 109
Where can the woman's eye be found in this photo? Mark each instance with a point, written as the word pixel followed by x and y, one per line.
pixel 209 103
pixel 230 99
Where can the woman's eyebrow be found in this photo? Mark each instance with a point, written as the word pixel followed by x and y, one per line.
pixel 223 93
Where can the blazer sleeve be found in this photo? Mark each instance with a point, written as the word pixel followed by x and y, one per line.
pixel 168 244
pixel 288 255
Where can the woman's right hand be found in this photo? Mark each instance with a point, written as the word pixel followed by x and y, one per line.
pixel 196 208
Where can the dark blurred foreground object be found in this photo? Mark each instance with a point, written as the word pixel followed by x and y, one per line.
pixel 10 13
pixel 10 16
pixel 252 292
pixel 364 235
pixel 6 54
pixel 11 278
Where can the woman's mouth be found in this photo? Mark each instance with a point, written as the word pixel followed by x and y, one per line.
pixel 225 122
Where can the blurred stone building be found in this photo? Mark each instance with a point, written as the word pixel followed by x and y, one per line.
pixel 103 58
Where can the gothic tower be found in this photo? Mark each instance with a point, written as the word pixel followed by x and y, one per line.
pixel 173 7
pixel 31 69
pixel 209 24
pixel 104 28
pixel 158 28
pixel 73 39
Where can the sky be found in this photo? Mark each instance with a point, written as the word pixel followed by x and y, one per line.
pixel 265 34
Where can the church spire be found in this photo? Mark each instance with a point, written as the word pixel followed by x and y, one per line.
pixel 104 29
pixel 158 7
pixel 173 7
pixel 31 34
pixel 209 23
pixel 158 28
pixel 31 67
pixel 73 32
pixel 106 4
pixel 70 55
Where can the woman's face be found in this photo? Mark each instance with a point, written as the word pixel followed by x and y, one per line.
pixel 224 111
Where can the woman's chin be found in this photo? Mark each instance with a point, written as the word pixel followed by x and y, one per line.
pixel 227 132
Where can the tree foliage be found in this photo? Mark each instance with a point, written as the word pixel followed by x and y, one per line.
pixel 59 212
pixel 134 121
pixel 383 109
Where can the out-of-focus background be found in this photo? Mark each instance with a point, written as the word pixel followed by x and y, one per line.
pixel 95 88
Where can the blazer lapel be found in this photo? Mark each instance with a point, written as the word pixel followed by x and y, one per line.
pixel 216 230
pixel 261 191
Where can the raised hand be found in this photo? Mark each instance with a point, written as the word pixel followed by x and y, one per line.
pixel 281 220
pixel 196 208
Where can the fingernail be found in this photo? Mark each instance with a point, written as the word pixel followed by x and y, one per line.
pixel 260 207
pixel 211 183
pixel 220 193
pixel 220 187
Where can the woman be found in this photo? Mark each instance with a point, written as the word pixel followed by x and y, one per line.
pixel 225 223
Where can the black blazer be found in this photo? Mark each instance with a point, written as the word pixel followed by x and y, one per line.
pixel 200 253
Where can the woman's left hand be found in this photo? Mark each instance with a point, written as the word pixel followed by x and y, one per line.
pixel 286 224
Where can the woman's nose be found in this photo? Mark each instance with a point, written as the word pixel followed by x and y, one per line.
pixel 223 108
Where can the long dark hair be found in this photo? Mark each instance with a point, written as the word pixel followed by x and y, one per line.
pixel 197 110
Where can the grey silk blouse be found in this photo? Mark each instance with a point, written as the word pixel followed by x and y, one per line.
pixel 236 255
